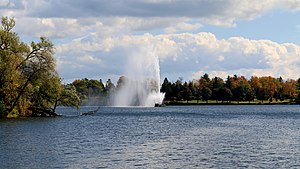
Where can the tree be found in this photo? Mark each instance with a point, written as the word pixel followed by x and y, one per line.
pixel 45 92
pixel 28 79
pixel 289 89
pixel 109 87
pixel 186 93
pixel 206 77
pixel 166 88
pixel 67 97
pixel 256 86
pixel 95 88
pixel 177 87
pixel 216 84
pixel 206 94
pixel 11 54
pixel 193 89
pixel 89 88
pixel 203 88
pixel 225 94
pixel 241 89
pixel 228 82
pixel 121 82
pixel 269 87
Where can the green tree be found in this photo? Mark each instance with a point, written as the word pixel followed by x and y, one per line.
pixel 28 78
pixel 203 88
pixel 68 97
pixel 12 52
pixel 216 83
pixel 206 77
pixel 186 93
pixel 194 92
pixel 228 82
pixel 109 87
pixel 166 88
pixel 241 89
pixel 206 94
pixel 225 94
pixel 176 89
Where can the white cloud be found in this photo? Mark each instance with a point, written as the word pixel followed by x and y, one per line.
pixel 89 59
pixel 96 36
pixel 4 3
pixel 221 58
pixel 182 27
pixel 192 53
pixel 134 15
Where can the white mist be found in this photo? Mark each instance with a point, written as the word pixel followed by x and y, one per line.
pixel 142 84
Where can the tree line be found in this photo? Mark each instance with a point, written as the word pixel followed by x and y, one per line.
pixel 94 92
pixel 234 88
pixel 29 83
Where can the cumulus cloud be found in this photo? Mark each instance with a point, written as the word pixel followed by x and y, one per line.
pixel 183 27
pixel 50 27
pixel 94 37
pixel 224 13
pixel 191 54
pixel 61 19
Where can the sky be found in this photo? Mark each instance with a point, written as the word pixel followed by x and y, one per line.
pixel 94 38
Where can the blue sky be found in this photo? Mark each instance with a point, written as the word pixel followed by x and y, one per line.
pixel 281 26
pixel 95 38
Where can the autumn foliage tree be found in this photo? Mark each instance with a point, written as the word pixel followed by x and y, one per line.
pixel 29 82
pixel 234 88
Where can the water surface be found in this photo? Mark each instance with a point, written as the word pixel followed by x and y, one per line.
pixel 168 137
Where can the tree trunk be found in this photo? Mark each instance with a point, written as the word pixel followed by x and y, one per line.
pixel 20 93
pixel 55 105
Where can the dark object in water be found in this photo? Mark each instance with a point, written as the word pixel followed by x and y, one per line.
pixel 86 113
pixel 89 112
pixel 159 105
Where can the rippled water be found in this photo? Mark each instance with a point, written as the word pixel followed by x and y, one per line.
pixel 167 137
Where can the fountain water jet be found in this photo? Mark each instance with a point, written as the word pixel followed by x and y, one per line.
pixel 141 87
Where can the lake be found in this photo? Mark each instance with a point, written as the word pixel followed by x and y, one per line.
pixel 245 136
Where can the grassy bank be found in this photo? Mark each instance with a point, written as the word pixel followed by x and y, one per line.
pixel 215 102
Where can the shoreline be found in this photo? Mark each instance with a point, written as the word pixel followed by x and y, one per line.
pixel 172 103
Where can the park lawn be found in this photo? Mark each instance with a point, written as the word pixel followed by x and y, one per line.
pixel 200 102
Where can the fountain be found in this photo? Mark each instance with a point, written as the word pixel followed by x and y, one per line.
pixel 141 86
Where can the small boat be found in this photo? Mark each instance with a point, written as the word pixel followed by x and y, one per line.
pixel 159 105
